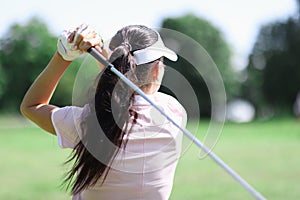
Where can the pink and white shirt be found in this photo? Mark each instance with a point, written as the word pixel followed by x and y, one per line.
pixel 146 168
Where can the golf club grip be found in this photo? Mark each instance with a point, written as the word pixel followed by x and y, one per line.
pixel 98 56
pixel 213 156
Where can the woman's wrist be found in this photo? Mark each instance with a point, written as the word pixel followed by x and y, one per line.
pixel 61 62
pixel 59 55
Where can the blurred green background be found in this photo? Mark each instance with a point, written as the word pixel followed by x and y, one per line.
pixel 264 149
pixel 269 83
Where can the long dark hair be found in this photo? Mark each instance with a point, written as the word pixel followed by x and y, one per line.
pixel 112 107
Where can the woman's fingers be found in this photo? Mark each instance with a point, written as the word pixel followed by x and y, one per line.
pixel 89 38
pixel 71 37
pixel 83 37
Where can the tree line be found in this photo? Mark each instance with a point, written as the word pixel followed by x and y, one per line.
pixel 272 75
pixel 273 70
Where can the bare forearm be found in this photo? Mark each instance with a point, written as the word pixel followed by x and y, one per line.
pixel 35 104
pixel 43 87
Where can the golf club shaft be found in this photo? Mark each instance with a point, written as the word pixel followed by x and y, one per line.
pixel 213 156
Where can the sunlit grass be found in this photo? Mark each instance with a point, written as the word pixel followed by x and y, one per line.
pixel 266 154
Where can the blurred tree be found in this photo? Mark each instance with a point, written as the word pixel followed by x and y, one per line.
pixel 211 39
pixel 24 52
pixel 274 68
pixel 2 80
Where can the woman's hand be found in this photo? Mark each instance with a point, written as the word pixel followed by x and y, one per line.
pixel 83 37
pixel 73 43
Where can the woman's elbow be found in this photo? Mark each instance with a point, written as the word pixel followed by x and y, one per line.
pixel 24 109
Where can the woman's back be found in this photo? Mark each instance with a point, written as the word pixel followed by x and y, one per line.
pixel 145 168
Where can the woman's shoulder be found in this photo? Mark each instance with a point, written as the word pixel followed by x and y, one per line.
pixel 167 98
pixel 170 101
pixel 173 108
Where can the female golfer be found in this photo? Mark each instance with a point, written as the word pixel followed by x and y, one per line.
pixel 122 147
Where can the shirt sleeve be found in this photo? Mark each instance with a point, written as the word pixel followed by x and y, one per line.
pixel 66 124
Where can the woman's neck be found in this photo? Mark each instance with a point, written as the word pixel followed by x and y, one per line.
pixel 151 88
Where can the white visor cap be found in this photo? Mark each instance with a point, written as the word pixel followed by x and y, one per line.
pixel 154 52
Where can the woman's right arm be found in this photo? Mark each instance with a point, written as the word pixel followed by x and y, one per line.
pixel 35 105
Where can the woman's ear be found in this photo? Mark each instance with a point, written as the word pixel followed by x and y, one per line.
pixel 155 71
pixel 158 72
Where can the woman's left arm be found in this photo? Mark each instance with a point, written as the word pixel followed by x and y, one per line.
pixel 35 105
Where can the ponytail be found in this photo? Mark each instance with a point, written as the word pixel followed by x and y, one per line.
pixel 113 99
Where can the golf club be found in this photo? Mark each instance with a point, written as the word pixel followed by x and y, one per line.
pixel 213 156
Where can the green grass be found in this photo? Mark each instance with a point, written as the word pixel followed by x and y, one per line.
pixel 31 163
pixel 266 154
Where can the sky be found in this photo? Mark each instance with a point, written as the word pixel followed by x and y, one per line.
pixel 238 20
